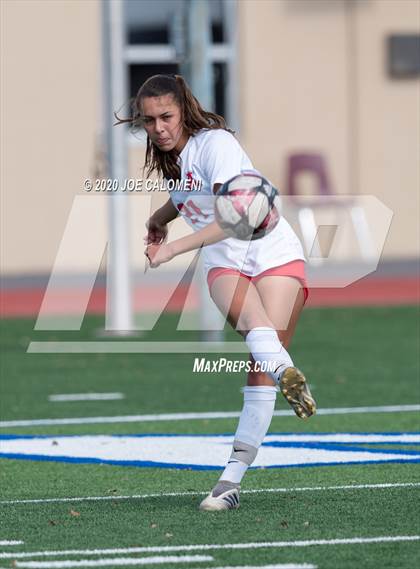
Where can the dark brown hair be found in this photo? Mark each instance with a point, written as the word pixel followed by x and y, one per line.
pixel 193 119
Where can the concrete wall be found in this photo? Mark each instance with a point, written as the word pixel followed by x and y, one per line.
pixel 388 128
pixel 314 78
pixel 49 116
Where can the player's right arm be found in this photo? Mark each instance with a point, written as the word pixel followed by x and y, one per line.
pixel 157 224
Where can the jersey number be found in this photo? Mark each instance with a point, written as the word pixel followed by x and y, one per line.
pixel 191 211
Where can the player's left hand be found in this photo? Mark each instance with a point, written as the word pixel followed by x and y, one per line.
pixel 158 254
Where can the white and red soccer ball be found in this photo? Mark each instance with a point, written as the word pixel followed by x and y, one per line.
pixel 247 206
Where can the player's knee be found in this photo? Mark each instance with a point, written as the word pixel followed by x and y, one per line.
pixel 284 337
pixel 249 320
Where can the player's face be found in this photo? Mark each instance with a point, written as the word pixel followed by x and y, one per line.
pixel 162 121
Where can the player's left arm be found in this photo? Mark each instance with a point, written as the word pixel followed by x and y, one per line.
pixel 212 233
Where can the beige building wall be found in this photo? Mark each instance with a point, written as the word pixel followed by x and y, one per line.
pixel 389 122
pixel 311 77
pixel 50 60
pixel 294 94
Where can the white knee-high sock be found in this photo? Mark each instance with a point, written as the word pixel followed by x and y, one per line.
pixel 266 348
pixel 255 419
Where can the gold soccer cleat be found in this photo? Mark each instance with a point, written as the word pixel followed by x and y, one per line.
pixel 296 392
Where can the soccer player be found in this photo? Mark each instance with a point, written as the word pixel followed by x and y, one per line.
pixel 258 286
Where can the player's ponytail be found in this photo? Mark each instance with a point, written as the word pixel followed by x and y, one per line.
pixel 193 116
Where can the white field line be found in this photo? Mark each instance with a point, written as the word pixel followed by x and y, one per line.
pixel 194 416
pixel 277 566
pixel 198 493
pixel 209 547
pixel 85 397
pixel 135 561
pixel 156 560
pixel 5 542
pixel 135 347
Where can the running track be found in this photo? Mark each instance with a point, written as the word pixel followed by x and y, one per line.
pixel 374 291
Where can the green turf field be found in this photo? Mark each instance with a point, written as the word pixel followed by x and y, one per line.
pixel 353 357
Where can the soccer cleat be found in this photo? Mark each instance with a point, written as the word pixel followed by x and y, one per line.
pixel 295 389
pixel 224 496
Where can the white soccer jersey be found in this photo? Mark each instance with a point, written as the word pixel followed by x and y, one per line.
pixel 213 157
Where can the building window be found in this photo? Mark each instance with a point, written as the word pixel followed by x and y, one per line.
pixel 153 31
pixel 153 21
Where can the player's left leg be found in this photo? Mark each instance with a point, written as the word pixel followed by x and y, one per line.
pixel 283 299
pixel 284 310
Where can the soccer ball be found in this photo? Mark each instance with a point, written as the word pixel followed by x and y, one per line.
pixel 247 206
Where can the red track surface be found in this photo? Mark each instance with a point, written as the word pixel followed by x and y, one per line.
pixel 373 291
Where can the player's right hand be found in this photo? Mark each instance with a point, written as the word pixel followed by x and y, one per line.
pixel 156 232
pixel 158 254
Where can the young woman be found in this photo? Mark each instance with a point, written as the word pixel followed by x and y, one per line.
pixel 259 286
